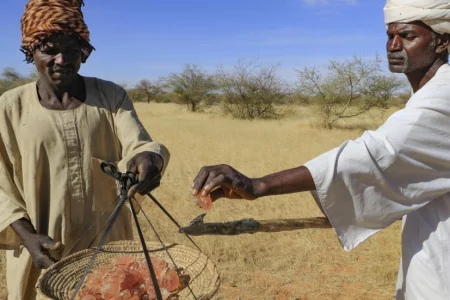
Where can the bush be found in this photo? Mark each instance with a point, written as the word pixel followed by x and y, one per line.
pixel 348 89
pixel 250 92
pixel 193 87
pixel 10 79
pixel 147 91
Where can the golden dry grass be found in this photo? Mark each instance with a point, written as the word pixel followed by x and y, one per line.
pixel 305 264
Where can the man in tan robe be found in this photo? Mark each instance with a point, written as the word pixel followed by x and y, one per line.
pixel 54 133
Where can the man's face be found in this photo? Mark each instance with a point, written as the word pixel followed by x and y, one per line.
pixel 58 60
pixel 410 47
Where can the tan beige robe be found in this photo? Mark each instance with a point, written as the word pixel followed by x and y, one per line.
pixel 50 170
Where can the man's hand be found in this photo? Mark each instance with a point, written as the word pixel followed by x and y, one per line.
pixel 38 245
pixel 147 166
pixel 224 181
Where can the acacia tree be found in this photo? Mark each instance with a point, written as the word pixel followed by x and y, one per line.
pixel 348 89
pixel 148 89
pixel 250 91
pixel 193 86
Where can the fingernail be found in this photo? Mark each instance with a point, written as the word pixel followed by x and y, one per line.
pixel 204 193
pixel 194 192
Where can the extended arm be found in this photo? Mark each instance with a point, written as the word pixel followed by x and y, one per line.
pixel 224 181
pixel 366 184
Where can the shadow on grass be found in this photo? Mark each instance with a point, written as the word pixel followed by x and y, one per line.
pixel 356 126
pixel 360 126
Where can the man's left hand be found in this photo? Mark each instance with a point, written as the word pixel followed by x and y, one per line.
pixel 147 166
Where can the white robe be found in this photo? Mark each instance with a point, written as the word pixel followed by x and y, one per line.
pixel 400 170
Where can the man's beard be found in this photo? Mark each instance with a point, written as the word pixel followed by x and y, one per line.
pixel 400 55
pixel 423 60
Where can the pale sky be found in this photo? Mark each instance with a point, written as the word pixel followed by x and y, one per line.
pixel 140 39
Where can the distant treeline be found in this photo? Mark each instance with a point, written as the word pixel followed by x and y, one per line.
pixel 345 89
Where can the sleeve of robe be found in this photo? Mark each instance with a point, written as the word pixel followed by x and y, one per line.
pixel 12 206
pixel 367 184
pixel 132 135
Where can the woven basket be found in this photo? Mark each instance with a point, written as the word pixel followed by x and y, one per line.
pixel 62 277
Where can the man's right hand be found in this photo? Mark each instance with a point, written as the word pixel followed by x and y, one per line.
pixel 224 181
pixel 38 245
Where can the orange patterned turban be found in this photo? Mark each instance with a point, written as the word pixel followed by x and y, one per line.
pixel 42 18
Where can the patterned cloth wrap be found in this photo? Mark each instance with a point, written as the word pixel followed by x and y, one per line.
pixel 42 18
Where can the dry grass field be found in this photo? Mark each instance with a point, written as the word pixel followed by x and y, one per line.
pixel 304 264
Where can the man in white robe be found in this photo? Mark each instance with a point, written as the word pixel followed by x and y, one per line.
pixel 400 170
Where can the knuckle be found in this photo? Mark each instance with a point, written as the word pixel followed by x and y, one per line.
pixel 236 183
pixel 43 240
pixel 226 168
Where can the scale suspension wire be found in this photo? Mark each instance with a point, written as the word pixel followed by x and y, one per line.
pixel 90 227
pixel 113 218
pixel 126 180
pixel 147 256
pixel 171 218
pixel 165 248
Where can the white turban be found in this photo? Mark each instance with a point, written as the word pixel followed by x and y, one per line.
pixel 434 13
